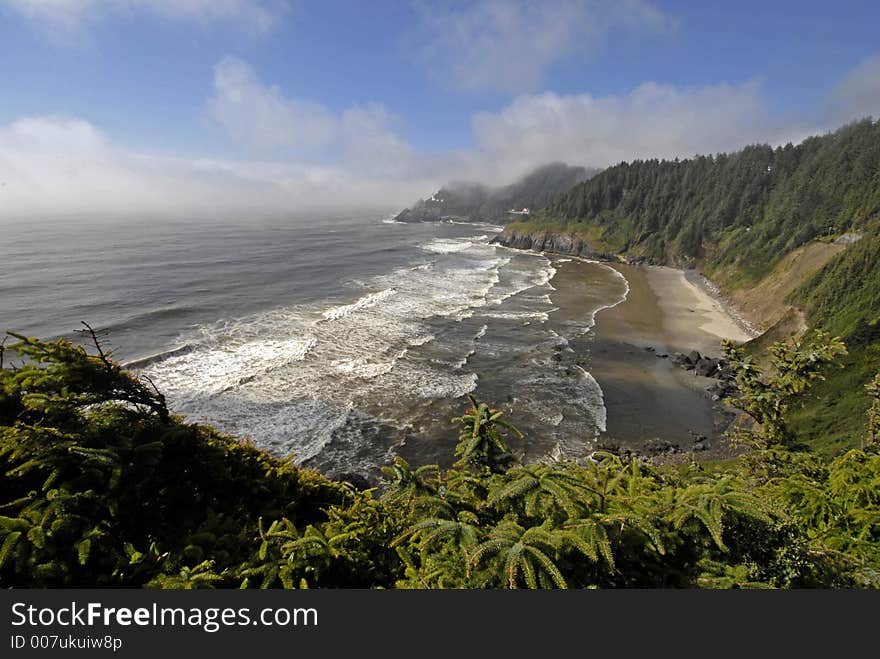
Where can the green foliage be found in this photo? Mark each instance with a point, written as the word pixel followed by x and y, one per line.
pixel 745 209
pixel 522 553
pixel 839 515
pixel 844 296
pixel 833 417
pixel 101 488
pixel 482 439
pixel 873 389
pixel 794 367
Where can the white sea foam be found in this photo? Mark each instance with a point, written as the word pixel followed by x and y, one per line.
pixel 552 419
pixel 601 412
pixel 542 316
pixel 545 275
pixel 363 303
pixel 305 378
pixel 363 367
pixel 216 367
pixel 626 288
pixel 482 225
pixel 521 277
pixel 560 341
pixel 324 362
pixel 447 246
pixel 542 299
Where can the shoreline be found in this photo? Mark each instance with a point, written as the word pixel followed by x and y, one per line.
pixel 654 407
pixel 727 304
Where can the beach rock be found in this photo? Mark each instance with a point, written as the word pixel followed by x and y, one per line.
pixel 649 348
pixel 705 366
pixel 662 355
pixel 693 357
pixel 722 389
pixel 658 446
pixel 699 446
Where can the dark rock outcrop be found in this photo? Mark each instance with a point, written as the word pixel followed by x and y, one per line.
pixel 706 366
pixel 548 241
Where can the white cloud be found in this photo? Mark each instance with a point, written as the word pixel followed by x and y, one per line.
pixel 51 165
pixel 652 121
pixel 56 165
pixel 261 117
pixel 508 46
pixel 307 156
pixel 858 94
pixel 69 15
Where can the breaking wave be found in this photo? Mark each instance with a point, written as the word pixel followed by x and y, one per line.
pixel 347 380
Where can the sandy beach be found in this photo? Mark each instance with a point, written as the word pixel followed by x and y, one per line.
pixel 691 318
pixel 647 397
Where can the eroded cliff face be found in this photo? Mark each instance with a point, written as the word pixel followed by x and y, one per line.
pixel 549 241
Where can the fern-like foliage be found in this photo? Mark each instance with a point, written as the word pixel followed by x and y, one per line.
pixel 542 491
pixel 711 503
pixel 794 368
pixel 102 487
pixel 523 555
pixel 482 442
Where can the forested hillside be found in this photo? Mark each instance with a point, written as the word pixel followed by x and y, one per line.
pixel 737 217
pixel 746 209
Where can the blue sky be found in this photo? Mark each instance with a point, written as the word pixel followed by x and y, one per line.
pixel 310 102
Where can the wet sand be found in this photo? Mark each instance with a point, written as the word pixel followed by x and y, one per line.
pixel 647 397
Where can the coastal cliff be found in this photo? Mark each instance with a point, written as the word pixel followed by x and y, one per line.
pixel 550 241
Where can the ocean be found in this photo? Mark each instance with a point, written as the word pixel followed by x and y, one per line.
pixel 343 340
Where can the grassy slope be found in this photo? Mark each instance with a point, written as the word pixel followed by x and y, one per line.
pixel 844 298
